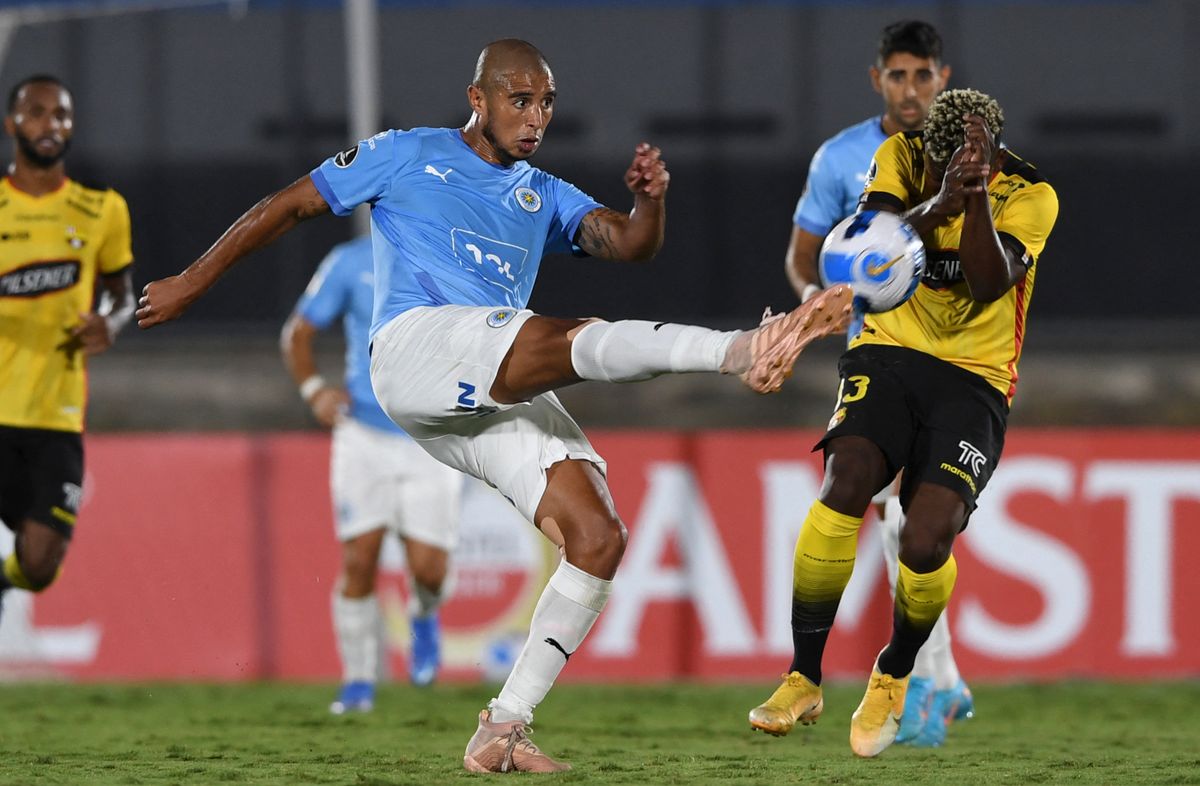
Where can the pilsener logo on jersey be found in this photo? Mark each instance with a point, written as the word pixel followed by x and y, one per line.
pixel 40 278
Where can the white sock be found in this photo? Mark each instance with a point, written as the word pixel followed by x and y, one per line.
pixel 423 601
pixel 356 622
pixel 935 658
pixel 565 613
pixel 633 350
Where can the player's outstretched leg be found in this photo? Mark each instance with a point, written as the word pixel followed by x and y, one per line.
pixel 763 358
pixel 506 747
pixel 797 700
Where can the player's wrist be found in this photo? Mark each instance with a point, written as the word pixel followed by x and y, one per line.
pixel 311 386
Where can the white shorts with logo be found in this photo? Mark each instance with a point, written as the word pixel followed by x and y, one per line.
pixel 432 368
pixel 381 479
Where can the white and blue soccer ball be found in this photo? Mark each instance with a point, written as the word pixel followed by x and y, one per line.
pixel 878 254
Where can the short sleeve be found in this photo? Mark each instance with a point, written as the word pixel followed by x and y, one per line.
pixel 890 178
pixel 361 173
pixel 570 206
pixel 1028 216
pixel 325 298
pixel 116 253
pixel 820 206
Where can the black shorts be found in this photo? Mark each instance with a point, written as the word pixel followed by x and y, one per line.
pixel 938 422
pixel 41 477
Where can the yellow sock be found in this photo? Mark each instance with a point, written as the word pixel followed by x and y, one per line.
pixel 922 597
pixel 12 572
pixel 821 570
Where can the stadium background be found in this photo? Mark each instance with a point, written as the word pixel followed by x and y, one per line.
pixel 205 474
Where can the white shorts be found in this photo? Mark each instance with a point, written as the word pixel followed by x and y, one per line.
pixel 432 369
pixel 380 479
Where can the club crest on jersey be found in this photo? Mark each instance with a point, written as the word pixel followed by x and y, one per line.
pixel 345 158
pixel 528 199
pixel 500 317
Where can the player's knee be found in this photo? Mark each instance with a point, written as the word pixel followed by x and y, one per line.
pixel 924 547
pixel 430 577
pixel 599 540
pixel 38 572
pixel 855 472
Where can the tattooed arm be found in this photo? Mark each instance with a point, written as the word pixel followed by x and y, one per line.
pixel 638 235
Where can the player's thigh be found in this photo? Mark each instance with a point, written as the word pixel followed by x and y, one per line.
pixel 362 479
pixel 16 485
pixel 430 366
pixel 55 470
pixel 960 443
pixel 511 450
pixel 428 498
pixel 870 433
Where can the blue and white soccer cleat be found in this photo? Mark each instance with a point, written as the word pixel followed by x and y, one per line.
pixel 947 706
pixel 916 709
pixel 426 653
pixel 354 697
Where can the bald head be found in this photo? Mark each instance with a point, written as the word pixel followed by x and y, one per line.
pixel 507 56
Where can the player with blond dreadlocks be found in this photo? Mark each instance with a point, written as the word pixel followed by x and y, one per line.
pixel 925 388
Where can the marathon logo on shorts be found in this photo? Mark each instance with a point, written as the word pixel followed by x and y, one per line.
pixel 500 317
pixel 40 278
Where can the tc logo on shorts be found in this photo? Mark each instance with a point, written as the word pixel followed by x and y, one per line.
pixel 72 496
pixel 500 317
pixel 971 457
pixel 528 199
pixel 837 419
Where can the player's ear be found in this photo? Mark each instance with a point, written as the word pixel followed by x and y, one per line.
pixel 10 126
pixel 475 98
pixel 875 76
pixel 944 73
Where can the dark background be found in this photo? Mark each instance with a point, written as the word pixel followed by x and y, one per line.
pixel 195 113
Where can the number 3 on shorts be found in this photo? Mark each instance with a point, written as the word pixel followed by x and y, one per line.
pixel 860 382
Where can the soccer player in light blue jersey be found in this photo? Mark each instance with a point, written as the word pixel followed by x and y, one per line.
pixel 381 481
pixel 909 74
pixel 460 222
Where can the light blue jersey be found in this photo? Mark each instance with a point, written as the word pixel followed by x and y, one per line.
pixel 343 286
pixel 836 177
pixel 448 227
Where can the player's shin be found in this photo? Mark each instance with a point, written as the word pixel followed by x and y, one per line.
pixel 566 611
pixel 821 569
pixel 920 600
pixel 357 622
pixel 635 350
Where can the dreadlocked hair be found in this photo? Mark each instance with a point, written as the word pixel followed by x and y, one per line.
pixel 944 125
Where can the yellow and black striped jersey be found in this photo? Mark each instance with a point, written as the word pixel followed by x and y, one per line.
pixel 52 247
pixel 941 318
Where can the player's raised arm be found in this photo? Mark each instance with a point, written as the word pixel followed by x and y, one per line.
pixel 168 298
pixel 638 235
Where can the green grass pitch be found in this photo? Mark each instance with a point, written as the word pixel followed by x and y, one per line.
pixel 1071 733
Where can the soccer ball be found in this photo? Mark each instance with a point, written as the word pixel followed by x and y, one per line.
pixel 878 254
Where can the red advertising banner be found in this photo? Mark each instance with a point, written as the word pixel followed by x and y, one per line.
pixel 213 557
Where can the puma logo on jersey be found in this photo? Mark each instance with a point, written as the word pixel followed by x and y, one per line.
pixel 431 170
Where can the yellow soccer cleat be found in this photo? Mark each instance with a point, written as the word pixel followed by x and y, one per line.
pixel 875 723
pixel 797 700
